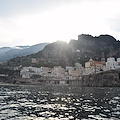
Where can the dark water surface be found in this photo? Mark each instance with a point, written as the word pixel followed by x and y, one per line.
pixel 59 103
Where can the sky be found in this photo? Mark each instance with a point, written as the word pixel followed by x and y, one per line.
pixel 30 22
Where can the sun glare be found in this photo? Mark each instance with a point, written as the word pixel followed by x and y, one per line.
pixel 61 23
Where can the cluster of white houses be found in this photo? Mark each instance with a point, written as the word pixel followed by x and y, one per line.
pixel 53 73
pixel 71 73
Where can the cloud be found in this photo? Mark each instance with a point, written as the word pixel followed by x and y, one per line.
pixel 19 7
pixel 24 22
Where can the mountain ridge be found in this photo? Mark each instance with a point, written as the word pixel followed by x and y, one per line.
pixel 62 54
pixel 7 53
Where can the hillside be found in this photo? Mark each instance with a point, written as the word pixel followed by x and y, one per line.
pixel 7 53
pixel 61 53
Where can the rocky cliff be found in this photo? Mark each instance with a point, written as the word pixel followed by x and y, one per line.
pixel 61 53
pixel 105 79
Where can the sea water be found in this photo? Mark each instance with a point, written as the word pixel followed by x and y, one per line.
pixel 28 102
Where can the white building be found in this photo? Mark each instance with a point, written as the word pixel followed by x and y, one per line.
pixel 58 71
pixel 78 66
pixel 69 68
pixel 27 72
pixel 118 61
pixel 111 64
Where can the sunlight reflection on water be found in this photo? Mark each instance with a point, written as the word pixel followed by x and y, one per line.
pixel 59 103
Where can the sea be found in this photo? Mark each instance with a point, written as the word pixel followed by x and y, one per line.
pixel 57 102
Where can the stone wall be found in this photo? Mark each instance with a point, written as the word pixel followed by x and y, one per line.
pixel 104 79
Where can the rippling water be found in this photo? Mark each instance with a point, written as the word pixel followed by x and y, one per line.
pixel 59 103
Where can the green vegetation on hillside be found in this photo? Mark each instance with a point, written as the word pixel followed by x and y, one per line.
pixel 63 54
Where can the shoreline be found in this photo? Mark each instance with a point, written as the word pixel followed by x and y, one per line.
pixel 103 79
pixel 53 85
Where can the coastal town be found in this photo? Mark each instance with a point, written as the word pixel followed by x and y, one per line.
pixel 60 74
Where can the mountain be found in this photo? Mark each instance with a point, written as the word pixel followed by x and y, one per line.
pixel 7 53
pixel 3 50
pixel 81 50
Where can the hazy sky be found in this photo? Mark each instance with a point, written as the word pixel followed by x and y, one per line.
pixel 29 22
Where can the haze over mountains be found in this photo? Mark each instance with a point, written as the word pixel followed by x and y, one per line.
pixel 62 54
pixel 7 53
